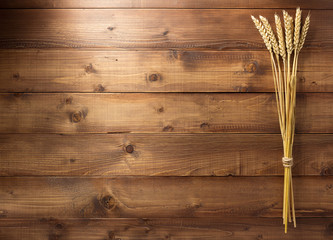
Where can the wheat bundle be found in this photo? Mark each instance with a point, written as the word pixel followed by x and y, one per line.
pixel 284 49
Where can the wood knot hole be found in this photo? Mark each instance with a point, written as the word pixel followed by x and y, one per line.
pixel 129 148
pixel 108 202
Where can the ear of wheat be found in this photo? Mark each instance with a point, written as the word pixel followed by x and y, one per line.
pixel 285 50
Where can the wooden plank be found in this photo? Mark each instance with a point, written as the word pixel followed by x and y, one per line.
pixel 151 71
pixel 159 112
pixel 147 29
pixel 161 155
pixel 164 228
pixel 145 197
pixel 312 4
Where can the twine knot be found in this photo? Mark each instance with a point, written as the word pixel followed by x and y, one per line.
pixel 287 162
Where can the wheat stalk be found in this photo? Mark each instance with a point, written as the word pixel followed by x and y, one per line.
pixel 268 36
pixel 305 29
pixel 263 33
pixel 271 35
pixel 297 27
pixel 289 43
pixel 279 30
pixel 288 26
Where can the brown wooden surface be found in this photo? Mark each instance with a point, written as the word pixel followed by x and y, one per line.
pixel 159 112
pixel 154 71
pixel 161 171
pixel 312 4
pixel 164 228
pixel 161 155
pixel 147 29
pixel 161 197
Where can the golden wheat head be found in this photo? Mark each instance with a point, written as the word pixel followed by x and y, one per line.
pixel 279 30
pixel 288 28
pixel 262 32
pixel 297 28
pixel 305 29
pixel 271 35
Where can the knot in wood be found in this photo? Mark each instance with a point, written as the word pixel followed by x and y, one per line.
pixel 154 77
pixel 129 148
pixel 16 76
pixel 76 117
pixel 89 69
pixel 59 226
pixel 326 171
pixel 111 235
pixel 329 229
pixel 108 202
pixel 68 100
pixel 302 79
pixel 251 67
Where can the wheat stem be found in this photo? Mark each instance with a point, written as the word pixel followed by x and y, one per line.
pixel 287 45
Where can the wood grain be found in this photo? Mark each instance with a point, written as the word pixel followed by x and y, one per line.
pixel 151 71
pixel 147 29
pixel 159 112
pixel 166 168
pixel 161 155
pixel 164 228
pixel 312 4
pixel 146 197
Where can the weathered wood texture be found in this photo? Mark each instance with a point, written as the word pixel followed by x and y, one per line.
pixel 312 4
pixel 124 28
pixel 152 71
pixel 161 155
pixel 159 112
pixel 161 197
pixel 164 228
pixel 160 172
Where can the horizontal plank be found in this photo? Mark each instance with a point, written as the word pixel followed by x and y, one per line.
pixel 312 4
pixel 164 228
pixel 145 197
pixel 159 112
pixel 151 71
pixel 161 155
pixel 147 29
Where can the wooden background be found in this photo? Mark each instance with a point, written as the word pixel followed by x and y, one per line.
pixel 151 119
